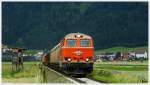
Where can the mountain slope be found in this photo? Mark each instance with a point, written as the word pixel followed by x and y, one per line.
pixel 43 25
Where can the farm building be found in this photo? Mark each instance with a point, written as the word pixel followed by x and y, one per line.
pixel 134 55
pixel 98 57
pixel 141 54
pixel 125 56
pixel 105 56
pixel 111 56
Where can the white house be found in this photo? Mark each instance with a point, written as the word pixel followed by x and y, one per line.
pixel 141 54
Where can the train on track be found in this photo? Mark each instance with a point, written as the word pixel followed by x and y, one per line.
pixel 73 55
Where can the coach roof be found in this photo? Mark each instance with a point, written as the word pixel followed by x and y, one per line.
pixel 78 35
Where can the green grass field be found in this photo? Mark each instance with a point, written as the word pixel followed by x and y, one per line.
pixel 120 72
pixel 28 75
pixel 121 49
pixel 109 72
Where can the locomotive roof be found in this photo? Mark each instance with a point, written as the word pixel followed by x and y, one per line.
pixel 75 35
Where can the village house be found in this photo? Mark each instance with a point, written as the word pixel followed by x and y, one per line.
pixel 111 56
pixel 105 56
pixel 141 54
pixel 99 57
pixel 125 56
pixel 122 56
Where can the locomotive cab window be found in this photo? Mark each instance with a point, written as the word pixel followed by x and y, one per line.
pixel 85 43
pixel 71 43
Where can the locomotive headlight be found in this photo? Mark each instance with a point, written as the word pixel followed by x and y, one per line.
pixel 78 36
pixel 69 59
pixel 87 59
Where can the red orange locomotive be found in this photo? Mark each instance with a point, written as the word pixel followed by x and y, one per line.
pixel 73 55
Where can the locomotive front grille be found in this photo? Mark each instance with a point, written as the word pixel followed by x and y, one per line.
pixel 78 67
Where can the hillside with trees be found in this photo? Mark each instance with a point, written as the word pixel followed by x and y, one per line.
pixel 42 25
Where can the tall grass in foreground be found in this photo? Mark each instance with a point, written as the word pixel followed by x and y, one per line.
pixel 108 76
pixel 28 75
pixel 31 74
pixel 131 78
pixel 120 73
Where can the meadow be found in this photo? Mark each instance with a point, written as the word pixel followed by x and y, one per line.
pixel 108 72
pixel 28 75
pixel 121 49
pixel 120 72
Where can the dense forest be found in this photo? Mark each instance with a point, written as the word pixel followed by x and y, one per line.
pixel 36 25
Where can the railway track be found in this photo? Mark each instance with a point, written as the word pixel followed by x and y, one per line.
pixel 74 80
pixel 85 81
pixel 89 81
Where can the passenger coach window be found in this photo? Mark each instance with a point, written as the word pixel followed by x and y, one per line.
pixel 84 43
pixel 71 43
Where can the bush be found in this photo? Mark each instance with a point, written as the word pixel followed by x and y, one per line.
pixel 104 73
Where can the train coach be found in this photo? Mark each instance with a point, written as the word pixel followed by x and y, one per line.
pixel 73 55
